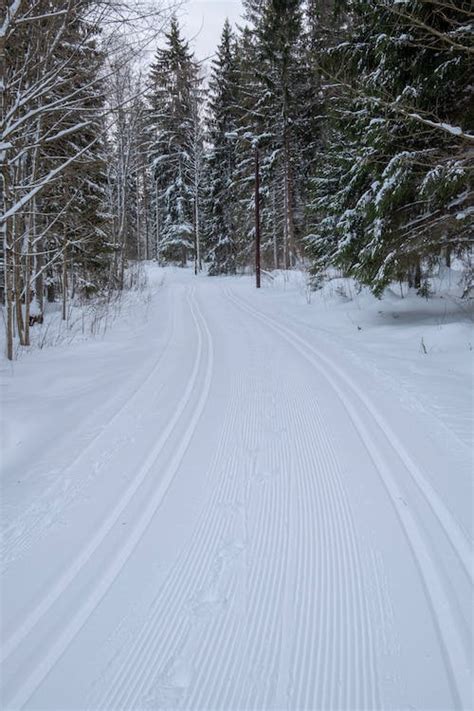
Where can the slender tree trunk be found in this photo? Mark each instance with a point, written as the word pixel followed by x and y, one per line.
pixel 257 219
pixel 448 257
pixel 291 248
pixel 4 204
pixel 65 284
pixel 51 291
pixel 157 224
pixel 197 260
pixel 17 280
pixel 18 300
pixel 139 223
pixel 27 280
pixel 274 229
pixel 145 210
pixel 38 262
pixel 417 280
pixel 286 262
pixel 7 260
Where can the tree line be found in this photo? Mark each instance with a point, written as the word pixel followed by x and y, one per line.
pixel 361 113
pixel 363 116
pixel 70 108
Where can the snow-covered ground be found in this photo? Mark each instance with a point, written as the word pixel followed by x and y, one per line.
pixel 242 500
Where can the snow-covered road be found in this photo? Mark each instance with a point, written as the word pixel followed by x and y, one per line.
pixel 244 524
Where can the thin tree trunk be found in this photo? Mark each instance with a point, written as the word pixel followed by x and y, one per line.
pixel 17 288
pixel 27 281
pixel 417 280
pixel 448 257
pixel 197 260
pixel 7 258
pixel 5 200
pixel 145 210
pixel 38 262
pixel 139 223
pixel 157 225
pixel 291 248
pixel 274 229
pixel 286 263
pixel 64 314
pixel 257 219
pixel 17 281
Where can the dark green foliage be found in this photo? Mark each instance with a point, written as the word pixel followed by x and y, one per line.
pixel 221 163
pixel 173 107
pixel 394 184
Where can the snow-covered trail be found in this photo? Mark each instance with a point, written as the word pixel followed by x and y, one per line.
pixel 247 531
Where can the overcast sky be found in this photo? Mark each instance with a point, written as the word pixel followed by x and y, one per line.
pixel 202 22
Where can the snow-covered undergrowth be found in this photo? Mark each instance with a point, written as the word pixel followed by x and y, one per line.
pixel 420 348
pixel 72 367
pixel 85 318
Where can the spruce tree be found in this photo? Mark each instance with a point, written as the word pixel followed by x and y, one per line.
pixel 221 158
pixel 393 191
pixel 173 80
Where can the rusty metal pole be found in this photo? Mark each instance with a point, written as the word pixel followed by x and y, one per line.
pixel 257 219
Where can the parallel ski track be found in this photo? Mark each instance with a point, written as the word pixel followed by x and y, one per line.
pixel 351 647
pixel 210 683
pixel 167 627
pixel 269 574
pixel 443 615
pixel 112 570
pixel 254 643
pixel 17 538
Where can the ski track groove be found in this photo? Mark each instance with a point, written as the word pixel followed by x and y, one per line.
pixel 268 594
pixel 16 546
pixel 214 634
pixel 203 543
pixel 112 571
pixel 258 566
pixel 443 618
pixel 175 593
pixel 284 464
pixel 190 569
pixel 327 525
pixel 454 533
pixel 68 576
pixel 257 696
pixel 281 544
pixel 219 679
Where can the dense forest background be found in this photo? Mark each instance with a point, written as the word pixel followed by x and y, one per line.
pixel 360 115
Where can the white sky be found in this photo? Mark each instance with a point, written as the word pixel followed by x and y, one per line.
pixel 202 21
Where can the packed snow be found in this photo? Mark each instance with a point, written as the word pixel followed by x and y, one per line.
pixel 224 498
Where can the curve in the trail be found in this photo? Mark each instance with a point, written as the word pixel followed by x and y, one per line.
pixel 17 538
pixel 115 566
pixel 444 618
pixel 32 619
pixel 158 642
pixel 254 642
pixel 454 533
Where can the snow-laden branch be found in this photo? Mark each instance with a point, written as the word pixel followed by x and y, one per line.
pixel 12 12
pixel 441 126
pixel 20 204
pixel 46 16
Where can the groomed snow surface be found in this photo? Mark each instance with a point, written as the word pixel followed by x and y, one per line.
pixel 241 500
